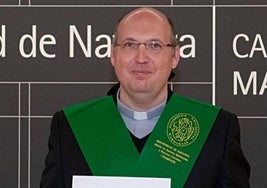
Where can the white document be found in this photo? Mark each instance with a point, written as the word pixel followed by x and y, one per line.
pixel 119 182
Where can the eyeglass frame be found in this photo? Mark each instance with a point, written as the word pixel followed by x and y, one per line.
pixel 148 45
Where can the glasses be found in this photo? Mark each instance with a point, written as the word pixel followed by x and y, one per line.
pixel 152 46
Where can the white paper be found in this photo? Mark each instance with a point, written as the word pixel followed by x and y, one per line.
pixel 119 182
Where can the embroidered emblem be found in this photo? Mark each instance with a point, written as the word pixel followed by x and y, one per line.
pixel 182 129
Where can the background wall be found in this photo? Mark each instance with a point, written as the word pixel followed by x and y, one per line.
pixel 223 62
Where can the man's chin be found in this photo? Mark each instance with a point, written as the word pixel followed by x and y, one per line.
pixel 140 88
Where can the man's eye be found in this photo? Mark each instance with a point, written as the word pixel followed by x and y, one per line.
pixel 155 45
pixel 129 45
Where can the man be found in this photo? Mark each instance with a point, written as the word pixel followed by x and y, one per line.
pixel 144 129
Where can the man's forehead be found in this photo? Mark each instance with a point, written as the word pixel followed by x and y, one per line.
pixel 144 24
pixel 144 12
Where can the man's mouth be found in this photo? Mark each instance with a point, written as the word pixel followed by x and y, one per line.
pixel 141 72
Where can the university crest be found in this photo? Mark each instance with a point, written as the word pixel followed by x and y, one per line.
pixel 182 129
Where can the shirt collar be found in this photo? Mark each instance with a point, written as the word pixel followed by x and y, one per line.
pixel 135 115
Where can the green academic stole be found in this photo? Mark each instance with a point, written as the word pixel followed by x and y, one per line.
pixel 170 151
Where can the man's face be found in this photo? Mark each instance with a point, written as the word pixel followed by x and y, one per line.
pixel 139 69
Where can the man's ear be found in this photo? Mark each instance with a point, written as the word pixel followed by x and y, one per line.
pixel 112 55
pixel 176 57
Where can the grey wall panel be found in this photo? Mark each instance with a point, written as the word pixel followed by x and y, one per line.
pixel 253 134
pixel 100 2
pixel 193 28
pixel 23 96
pixel 199 91
pixel 9 99
pixel 240 2
pixel 241 60
pixel 9 152
pixel 9 2
pixel 193 2
pixel 40 68
pixel 56 23
pixel 39 140
pixel 24 148
pixel 57 96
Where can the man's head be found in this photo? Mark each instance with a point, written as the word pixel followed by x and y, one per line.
pixel 144 52
pixel 173 38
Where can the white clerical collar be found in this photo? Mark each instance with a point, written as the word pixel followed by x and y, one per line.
pixel 140 115
pixel 152 113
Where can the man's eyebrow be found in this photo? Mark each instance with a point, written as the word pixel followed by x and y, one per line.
pixel 155 39
pixel 129 39
pixel 133 39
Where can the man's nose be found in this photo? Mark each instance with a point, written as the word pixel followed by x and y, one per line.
pixel 142 54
